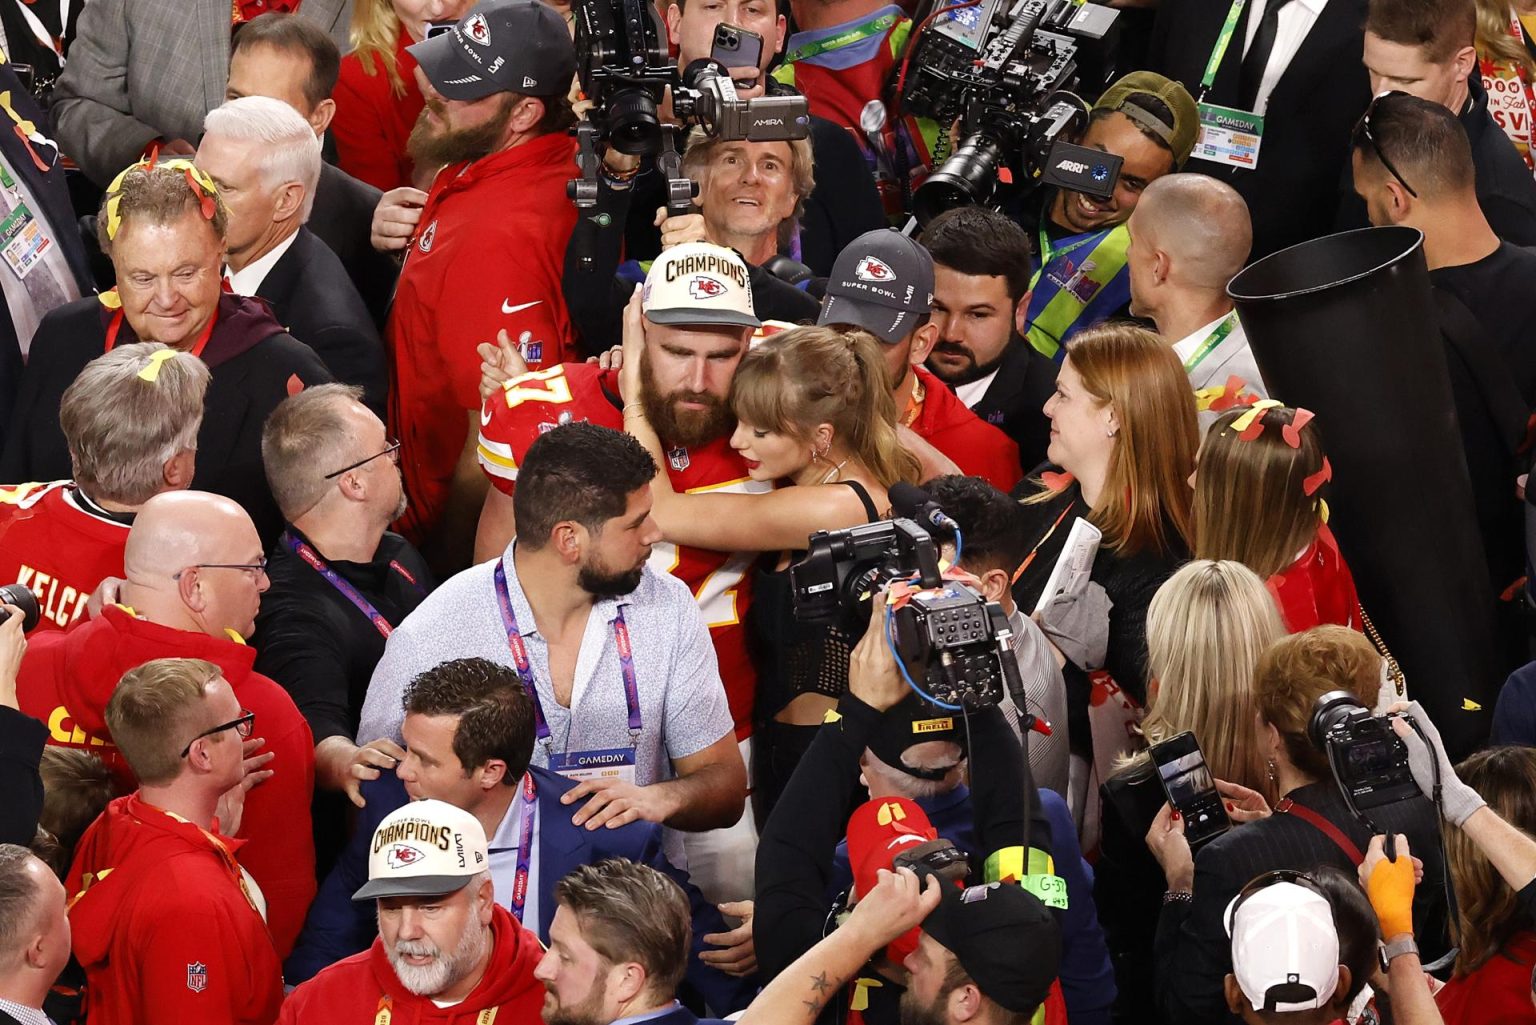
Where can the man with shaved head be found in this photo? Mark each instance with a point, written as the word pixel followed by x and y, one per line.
pixel 195 574
pixel 1189 235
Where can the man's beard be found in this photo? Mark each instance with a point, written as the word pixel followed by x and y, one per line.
pixel 446 969
pixel 976 371
pixel 687 428
pixel 430 147
pixel 588 1012
pixel 601 582
pixel 915 1013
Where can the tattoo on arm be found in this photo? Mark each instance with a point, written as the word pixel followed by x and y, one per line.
pixel 820 986
pixel 820 983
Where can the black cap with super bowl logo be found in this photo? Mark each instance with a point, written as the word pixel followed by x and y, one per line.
pixel 1005 939
pixel 500 46
pixel 882 281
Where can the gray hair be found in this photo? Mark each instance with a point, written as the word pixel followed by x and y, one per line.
pixel 127 413
pixel 290 150
pixel 914 788
pixel 306 437
pixel 18 896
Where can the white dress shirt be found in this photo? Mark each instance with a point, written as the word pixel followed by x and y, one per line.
pixel 248 280
pixel 972 393
pixel 1295 21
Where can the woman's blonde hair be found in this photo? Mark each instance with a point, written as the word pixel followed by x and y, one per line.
pixel 1146 488
pixel 1206 628
pixel 1486 907
pixel 1494 39
pixel 1251 503
pixel 794 381
pixel 375 33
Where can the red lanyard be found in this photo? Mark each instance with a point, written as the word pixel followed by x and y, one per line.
pixel 116 325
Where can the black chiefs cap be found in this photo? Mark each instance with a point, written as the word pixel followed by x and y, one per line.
pixel 500 46
pixel 882 281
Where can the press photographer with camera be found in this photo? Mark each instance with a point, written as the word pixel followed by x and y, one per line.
pixel 1304 738
pixel 795 855
pixel 745 37
pixel 1081 275
pixel 750 198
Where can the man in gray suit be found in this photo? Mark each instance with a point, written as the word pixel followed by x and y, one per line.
pixel 142 70
pixel 1189 235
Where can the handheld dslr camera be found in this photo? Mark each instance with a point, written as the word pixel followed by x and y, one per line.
pixel 1004 68
pixel 955 644
pixel 1369 760
pixel 626 73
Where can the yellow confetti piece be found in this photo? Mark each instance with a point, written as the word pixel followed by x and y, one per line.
pixel 151 371
pixel 114 219
pixel 1245 421
pixel 234 635
pixel 831 716
pixel 1322 509
pixel 1468 705
pixel 110 299
pixel 861 988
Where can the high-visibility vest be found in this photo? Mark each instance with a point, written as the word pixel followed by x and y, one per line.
pixel 1071 276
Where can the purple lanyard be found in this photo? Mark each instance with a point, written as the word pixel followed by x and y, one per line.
pixel 524 848
pixel 524 667
pixel 341 584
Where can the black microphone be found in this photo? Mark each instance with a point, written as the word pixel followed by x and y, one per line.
pixel 910 502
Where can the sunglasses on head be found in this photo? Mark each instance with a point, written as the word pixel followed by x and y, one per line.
pixel 1363 133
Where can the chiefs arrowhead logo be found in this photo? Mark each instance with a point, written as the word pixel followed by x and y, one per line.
pixel 871 269
pixel 475 28
pixel 402 855
pixel 705 287
pixel 427 238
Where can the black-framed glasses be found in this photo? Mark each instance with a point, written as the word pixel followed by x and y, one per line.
pixel 243 726
pixel 254 568
pixel 1363 131
pixel 393 451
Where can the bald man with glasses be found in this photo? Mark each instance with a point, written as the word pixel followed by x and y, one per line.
pixel 194 578
pixel 341 581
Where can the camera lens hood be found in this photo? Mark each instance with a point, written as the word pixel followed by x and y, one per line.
pixel 1328 710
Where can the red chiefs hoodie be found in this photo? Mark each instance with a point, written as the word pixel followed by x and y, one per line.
pixel 162 926
pixel 363 989
pixel 66 679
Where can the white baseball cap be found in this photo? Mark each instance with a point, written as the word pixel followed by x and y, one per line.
pixel 424 849
pixel 1285 947
pixel 699 283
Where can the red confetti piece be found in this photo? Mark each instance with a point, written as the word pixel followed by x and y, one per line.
pixel 294 384
pixel 1292 431
pixel 1055 481
pixel 1311 484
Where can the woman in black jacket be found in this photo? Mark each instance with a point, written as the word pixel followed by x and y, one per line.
pixel 1123 430
pixel 1206 628
pixel 1311 826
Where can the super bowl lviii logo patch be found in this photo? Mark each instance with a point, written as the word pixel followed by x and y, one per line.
pixel 871 269
pixel 705 287
pixel 402 855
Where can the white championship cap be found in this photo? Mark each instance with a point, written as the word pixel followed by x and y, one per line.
pixel 1285 947
pixel 424 849
pixel 699 283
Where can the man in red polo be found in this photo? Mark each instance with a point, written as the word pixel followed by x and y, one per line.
pixel 488 251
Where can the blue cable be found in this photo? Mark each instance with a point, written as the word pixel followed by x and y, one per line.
pixel 890 641
pixel 959 543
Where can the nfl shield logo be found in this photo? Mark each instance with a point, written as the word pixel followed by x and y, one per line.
pixel 197 977
pixel 678 458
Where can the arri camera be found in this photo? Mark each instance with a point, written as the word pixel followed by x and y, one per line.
pixel 625 72
pixel 953 642
pixel 1004 69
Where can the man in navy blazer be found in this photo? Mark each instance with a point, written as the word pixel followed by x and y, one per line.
pixel 474 711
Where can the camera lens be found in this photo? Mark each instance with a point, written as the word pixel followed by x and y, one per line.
pixel 1328 711
pixel 24 599
pixel 633 126
pixel 967 177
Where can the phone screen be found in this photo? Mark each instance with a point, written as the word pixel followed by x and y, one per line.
pixel 437 28
pixel 1190 788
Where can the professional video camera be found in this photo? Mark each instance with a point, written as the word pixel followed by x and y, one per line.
pixel 1004 68
pixel 955 643
pixel 626 73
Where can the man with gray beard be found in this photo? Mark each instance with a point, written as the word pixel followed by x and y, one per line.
pixel 341 582
pixel 446 950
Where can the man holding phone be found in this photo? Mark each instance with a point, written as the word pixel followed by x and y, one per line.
pixel 751 33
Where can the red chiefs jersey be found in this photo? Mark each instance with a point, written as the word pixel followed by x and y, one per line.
pixel 528 406
pixel 50 542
